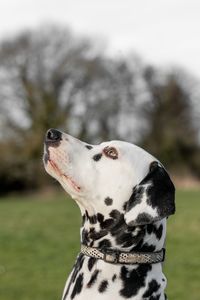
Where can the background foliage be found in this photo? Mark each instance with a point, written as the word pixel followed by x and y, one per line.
pixel 52 78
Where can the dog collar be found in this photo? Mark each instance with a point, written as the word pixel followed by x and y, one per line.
pixel 115 256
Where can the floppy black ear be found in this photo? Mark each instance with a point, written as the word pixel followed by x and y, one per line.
pixel 152 199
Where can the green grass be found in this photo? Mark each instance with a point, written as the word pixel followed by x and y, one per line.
pixel 39 241
pixel 183 248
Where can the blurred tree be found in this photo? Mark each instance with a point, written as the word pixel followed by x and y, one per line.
pixel 34 68
pixel 49 78
pixel 171 134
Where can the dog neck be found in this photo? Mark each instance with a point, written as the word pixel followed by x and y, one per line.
pixel 113 232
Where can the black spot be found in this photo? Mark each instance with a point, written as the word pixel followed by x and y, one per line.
pixel 100 218
pixel 163 279
pixel 151 228
pixel 83 220
pixel 78 286
pixel 126 239
pixel 135 198
pixel 91 244
pixel 143 247
pixel 88 147
pixel 105 224
pixel 153 287
pixel 93 234
pixel 158 232
pixel 114 277
pixel 124 234
pixel 93 219
pixel 115 214
pixel 91 263
pixel 108 201
pixel 148 248
pixel 97 156
pixel 143 218
pixel 103 286
pixel 119 227
pixel 134 280
pixel 77 267
pixel 104 244
pixel 93 278
pixel 85 236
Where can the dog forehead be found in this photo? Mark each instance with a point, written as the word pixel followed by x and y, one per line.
pixel 122 146
pixel 127 149
pixel 138 158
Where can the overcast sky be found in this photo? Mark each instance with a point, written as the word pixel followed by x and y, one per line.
pixel 163 32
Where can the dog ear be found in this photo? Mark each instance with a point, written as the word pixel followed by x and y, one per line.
pixel 152 199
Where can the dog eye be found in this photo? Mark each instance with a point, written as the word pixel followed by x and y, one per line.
pixel 111 152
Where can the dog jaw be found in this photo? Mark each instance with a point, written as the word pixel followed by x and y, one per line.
pixel 52 168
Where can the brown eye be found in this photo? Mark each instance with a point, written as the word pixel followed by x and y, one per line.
pixel 111 152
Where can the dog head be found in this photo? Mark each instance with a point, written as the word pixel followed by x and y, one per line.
pixel 113 175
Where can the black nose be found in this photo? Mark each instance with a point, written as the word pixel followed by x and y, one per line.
pixel 53 135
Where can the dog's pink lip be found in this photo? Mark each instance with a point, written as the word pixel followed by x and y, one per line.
pixel 68 178
pixel 55 167
pixel 73 183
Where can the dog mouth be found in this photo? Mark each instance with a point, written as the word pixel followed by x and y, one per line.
pixel 57 171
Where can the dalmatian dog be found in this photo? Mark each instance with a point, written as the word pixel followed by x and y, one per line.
pixel 125 196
